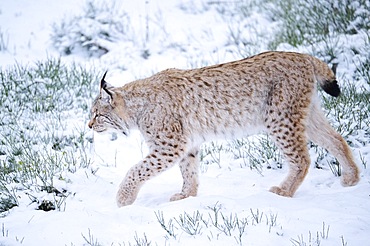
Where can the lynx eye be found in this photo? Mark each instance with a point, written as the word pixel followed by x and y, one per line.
pixel 94 115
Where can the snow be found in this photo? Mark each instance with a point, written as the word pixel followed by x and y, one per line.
pixel 90 216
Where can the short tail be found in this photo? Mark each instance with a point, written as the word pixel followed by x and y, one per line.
pixel 325 77
pixel 331 87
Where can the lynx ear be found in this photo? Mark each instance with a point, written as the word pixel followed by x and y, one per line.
pixel 106 88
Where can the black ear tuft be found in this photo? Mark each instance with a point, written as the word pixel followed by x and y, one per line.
pixel 104 86
pixel 103 83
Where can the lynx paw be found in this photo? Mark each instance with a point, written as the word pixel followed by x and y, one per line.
pixel 178 196
pixel 350 179
pixel 280 191
pixel 124 199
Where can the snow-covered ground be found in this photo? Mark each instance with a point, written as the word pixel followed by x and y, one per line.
pixel 183 35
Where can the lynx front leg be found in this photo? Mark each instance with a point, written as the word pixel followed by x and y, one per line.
pixel 189 167
pixel 155 163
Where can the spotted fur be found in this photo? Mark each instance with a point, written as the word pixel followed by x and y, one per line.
pixel 177 110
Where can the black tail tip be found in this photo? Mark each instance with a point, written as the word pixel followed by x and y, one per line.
pixel 332 88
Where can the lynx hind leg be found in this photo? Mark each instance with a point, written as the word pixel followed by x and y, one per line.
pixel 290 137
pixel 189 167
pixel 320 132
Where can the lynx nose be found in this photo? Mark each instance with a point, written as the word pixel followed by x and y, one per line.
pixel 90 125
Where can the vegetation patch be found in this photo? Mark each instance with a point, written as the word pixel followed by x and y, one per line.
pixel 37 143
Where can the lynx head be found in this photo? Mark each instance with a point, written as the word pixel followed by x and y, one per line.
pixel 107 111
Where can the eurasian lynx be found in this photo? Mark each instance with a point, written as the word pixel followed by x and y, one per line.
pixel 177 110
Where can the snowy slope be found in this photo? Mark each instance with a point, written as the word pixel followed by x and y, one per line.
pixel 322 210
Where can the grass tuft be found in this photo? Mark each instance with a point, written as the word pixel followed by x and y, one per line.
pixel 37 147
pixel 215 224
pixel 94 31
